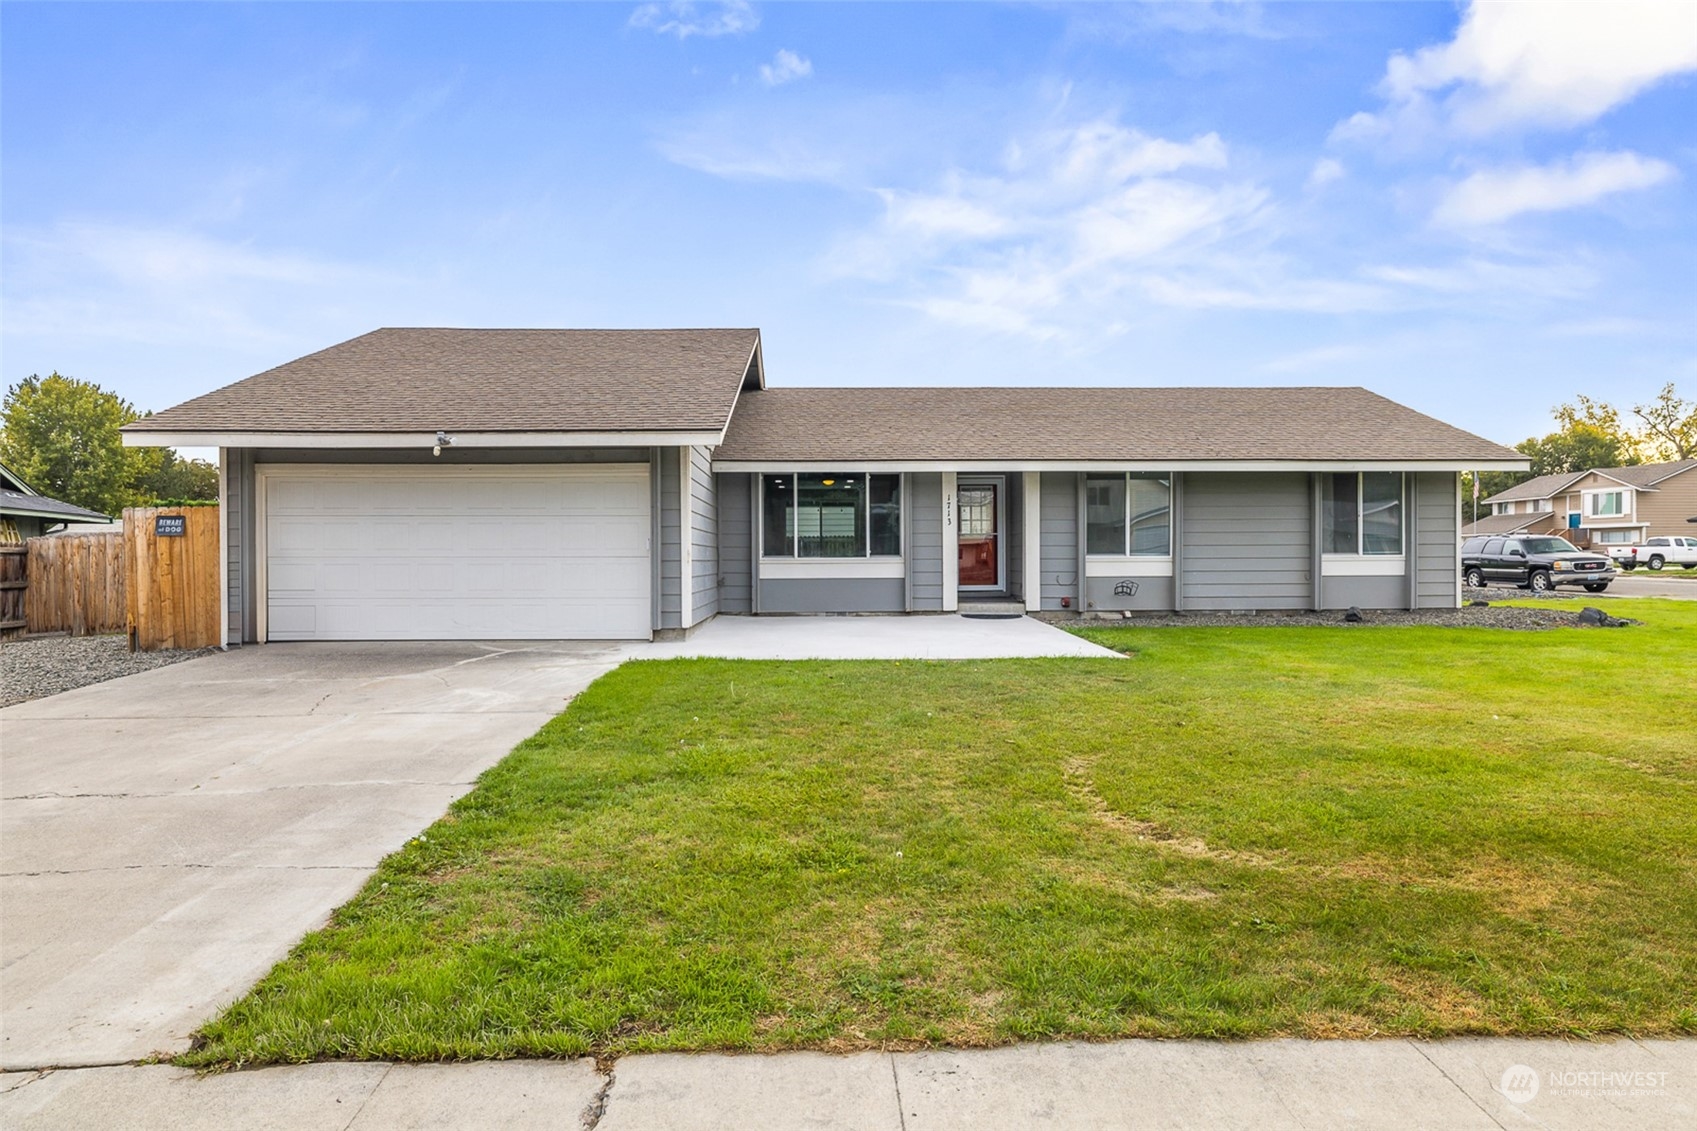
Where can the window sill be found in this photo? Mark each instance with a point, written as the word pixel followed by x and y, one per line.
pixel 1363 565
pixel 779 569
pixel 1120 565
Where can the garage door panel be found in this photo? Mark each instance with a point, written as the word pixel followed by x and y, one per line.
pixel 363 554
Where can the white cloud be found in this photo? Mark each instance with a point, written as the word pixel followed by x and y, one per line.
pixel 1559 63
pixel 786 66
pixel 1494 195
pixel 684 18
pixel 1074 230
pixel 1325 171
pixel 157 285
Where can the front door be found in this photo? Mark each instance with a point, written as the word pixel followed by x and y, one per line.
pixel 980 503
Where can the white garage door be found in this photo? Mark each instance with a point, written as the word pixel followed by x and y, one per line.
pixel 456 553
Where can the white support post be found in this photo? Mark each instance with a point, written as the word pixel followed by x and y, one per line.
pixel 1031 539
pixel 951 545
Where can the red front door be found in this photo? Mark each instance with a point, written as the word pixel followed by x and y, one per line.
pixel 980 553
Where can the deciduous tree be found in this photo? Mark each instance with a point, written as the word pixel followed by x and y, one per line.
pixel 1670 425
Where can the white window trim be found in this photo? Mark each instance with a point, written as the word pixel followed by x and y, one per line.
pixel 1361 534
pixel 1363 565
pixel 1126 527
pixel 796 569
pixel 1127 565
pixel 1591 497
pixel 795 539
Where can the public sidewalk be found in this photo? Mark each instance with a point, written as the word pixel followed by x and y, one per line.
pixel 1449 1085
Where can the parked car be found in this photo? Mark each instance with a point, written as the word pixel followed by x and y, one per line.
pixel 1656 553
pixel 1533 561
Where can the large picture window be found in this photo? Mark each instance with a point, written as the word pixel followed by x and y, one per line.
pixel 1361 512
pixel 831 515
pixel 1129 514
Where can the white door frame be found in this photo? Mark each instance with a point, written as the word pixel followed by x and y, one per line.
pixel 1000 482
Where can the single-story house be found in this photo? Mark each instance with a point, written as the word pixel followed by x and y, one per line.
pixel 499 484
pixel 1606 506
pixel 26 513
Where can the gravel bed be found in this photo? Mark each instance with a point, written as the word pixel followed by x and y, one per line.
pixel 1491 615
pixel 36 667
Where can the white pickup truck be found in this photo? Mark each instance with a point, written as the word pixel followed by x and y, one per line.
pixel 1656 553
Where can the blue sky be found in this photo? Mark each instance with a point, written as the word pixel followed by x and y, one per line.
pixel 1479 212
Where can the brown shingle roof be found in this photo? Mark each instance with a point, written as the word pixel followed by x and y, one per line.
pixel 1641 475
pixel 1540 488
pixel 408 380
pixel 1502 523
pixel 853 424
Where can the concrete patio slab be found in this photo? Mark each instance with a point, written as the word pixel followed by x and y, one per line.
pixel 941 637
pixel 170 835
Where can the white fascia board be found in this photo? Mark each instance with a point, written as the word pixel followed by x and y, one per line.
pixel 969 466
pixel 26 511
pixel 354 441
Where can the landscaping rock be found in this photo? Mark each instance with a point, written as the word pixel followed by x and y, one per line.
pixel 1354 615
pixel 35 667
pixel 1597 618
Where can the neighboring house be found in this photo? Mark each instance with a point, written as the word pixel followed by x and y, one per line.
pixel 1611 506
pixel 436 483
pixel 26 513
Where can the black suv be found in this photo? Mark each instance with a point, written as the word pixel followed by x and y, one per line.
pixel 1533 561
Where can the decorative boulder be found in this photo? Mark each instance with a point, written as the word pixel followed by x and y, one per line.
pixel 1354 615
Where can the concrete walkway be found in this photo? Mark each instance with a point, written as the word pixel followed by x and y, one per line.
pixel 941 637
pixel 1453 1085
pixel 170 835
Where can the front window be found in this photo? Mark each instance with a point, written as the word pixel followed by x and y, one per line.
pixel 1617 537
pixel 1605 503
pixel 1129 514
pixel 1361 512
pixel 831 515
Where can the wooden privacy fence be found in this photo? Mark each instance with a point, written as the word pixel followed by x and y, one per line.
pixel 76 584
pixel 171 577
pixel 157 581
pixel 14 560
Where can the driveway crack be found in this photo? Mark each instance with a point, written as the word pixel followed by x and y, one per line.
pixel 598 1103
pixel 26 1083
pixel 361 1108
pixel 1457 1086
pixel 896 1079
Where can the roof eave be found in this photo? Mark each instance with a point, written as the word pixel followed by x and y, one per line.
pixel 355 441
pixel 974 465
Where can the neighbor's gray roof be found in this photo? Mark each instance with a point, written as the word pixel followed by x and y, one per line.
pixel 1502 523
pixel 861 424
pixel 411 380
pixel 40 506
pixel 1639 475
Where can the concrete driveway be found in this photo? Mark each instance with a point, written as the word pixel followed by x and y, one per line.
pixel 1649 583
pixel 167 837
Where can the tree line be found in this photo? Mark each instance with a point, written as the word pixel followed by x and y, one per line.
pixel 1594 433
pixel 60 435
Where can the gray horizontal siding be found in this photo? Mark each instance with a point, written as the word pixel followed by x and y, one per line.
pixel 831 595
pixel 704 537
pixel 736 533
pixel 1058 548
pixel 1247 542
pixel 1437 556
pixel 924 501
pixel 239 512
pixel 671 557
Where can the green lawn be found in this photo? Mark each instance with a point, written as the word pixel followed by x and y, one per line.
pixel 1235 832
